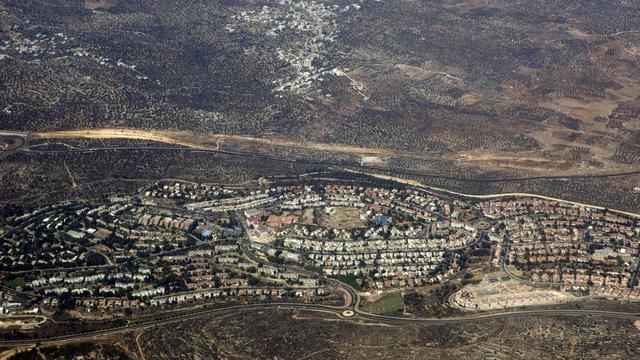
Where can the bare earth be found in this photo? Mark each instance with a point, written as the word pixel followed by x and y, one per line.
pixel 212 141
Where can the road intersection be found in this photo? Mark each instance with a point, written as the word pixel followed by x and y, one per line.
pixel 350 311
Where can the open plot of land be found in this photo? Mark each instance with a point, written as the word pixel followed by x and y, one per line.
pixel 499 292
pixel 8 143
pixel 583 109
pixel 341 218
pixel 388 304
pixel 497 88
pixel 21 323
pixel 539 162
pixel 317 337
pixel 119 93
pixel 97 4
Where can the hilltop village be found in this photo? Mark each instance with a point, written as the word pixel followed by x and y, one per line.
pixel 178 244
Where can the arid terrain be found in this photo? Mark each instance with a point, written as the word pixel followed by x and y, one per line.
pixel 459 91
pixel 292 179
pixel 530 87
pixel 275 335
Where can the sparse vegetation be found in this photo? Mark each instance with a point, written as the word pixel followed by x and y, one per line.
pixel 230 97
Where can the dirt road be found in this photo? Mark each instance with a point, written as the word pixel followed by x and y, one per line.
pixel 214 141
pixel 196 142
pixel 114 134
pixel 487 196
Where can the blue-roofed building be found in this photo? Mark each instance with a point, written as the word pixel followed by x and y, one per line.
pixel 381 220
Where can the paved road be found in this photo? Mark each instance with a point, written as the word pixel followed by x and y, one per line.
pixel 354 301
pixel 353 304
pixel 354 298
pixel 25 139
pixel 502 315
pixel 398 173
pixel 317 308
pixel 173 319
pixel 332 163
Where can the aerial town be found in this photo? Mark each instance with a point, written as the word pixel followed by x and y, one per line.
pixel 319 179
pixel 178 244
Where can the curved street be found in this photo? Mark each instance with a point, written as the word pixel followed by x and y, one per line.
pixel 361 315
pixel 352 303
pixel 352 298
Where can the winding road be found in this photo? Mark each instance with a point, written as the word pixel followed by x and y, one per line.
pixel 361 316
pixel 350 311
pixel 178 144
pixel 352 304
